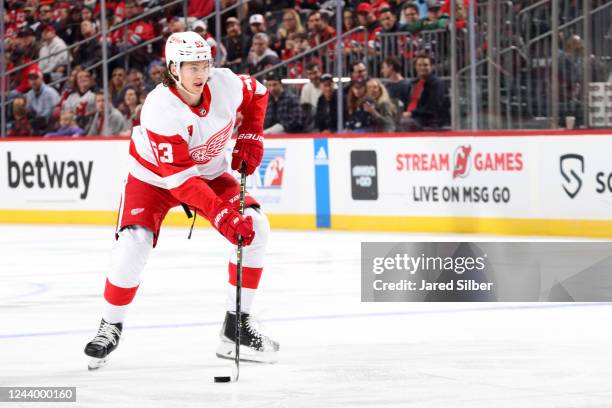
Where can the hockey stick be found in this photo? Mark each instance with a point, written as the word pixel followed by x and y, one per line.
pixel 236 373
pixel 239 273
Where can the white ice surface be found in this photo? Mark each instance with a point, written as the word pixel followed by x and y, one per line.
pixel 336 351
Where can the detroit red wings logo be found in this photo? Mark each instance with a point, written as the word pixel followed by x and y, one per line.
pixel 213 147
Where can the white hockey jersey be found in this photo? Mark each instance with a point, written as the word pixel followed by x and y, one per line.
pixel 175 141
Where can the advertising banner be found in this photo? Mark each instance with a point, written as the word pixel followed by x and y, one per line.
pixel 502 177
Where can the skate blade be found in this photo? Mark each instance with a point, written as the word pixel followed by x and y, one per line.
pixel 227 350
pixel 96 363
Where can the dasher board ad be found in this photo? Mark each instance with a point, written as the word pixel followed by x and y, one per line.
pixel 486 272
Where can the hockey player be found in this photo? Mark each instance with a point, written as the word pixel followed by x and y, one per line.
pixel 178 156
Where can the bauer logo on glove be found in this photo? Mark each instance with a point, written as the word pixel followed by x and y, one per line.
pixel 248 149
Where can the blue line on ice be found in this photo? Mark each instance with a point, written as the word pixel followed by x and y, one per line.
pixel 327 317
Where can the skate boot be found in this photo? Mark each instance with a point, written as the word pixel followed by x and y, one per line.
pixel 254 346
pixel 103 344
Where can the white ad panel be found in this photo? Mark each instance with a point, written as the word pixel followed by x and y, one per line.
pixel 501 177
pixel 62 175
pixel 284 182
pixel 462 177
pixel 576 177
pixel 89 175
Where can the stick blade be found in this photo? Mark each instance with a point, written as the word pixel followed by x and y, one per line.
pixel 223 379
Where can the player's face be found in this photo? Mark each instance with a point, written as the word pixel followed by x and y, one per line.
pixel 194 75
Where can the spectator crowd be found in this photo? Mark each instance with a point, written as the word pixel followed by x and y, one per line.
pixel 53 54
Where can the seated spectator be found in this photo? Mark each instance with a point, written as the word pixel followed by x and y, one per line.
pixel 130 108
pixel 82 101
pixel 53 64
pixel 296 44
pixel 116 85
pixel 367 19
pixel 319 29
pixel 357 119
pixel 326 118
pixel 68 88
pixel 156 69
pixel 88 15
pixel 427 106
pixel 349 19
pixel 135 80
pixel 237 46
pixel 68 126
pixel 412 21
pixel 45 17
pixel 138 32
pixel 41 100
pixel 435 19
pixel 378 104
pixel 390 44
pixel 116 123
pixel 311 92
pixel 18 83
pixel 283 114
pixel 261 56
pixel 397 85
pixel 461 11
pixel 69 28
pixel 27 41
pixel 257 24
pixel 176 25
pixel 90 52
pixel 20 125
pixel 291 24
pixel 359 72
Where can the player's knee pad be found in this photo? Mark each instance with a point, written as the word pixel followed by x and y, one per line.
pixel 260 225
pixel 130 255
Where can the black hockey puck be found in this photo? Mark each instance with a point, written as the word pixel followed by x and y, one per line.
pixel 222 379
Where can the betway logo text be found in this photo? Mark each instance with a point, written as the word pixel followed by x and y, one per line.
pixel 44 174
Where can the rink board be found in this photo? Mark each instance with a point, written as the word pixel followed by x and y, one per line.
pixel 526 183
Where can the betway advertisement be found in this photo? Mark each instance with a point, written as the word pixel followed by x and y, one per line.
pixel 88 175
pixel 564 177
pixel 62 175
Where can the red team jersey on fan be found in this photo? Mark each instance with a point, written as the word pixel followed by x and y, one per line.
pixel 176 141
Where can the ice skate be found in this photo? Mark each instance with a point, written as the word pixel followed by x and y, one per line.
pixel 254 346
pixel 106 340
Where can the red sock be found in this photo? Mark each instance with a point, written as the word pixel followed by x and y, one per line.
pixel 119 296
pixel 250 276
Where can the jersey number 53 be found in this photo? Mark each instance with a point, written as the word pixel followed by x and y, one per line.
pixel 163 152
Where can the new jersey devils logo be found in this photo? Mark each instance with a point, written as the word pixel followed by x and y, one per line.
pixel 213 147
pixel 462 161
